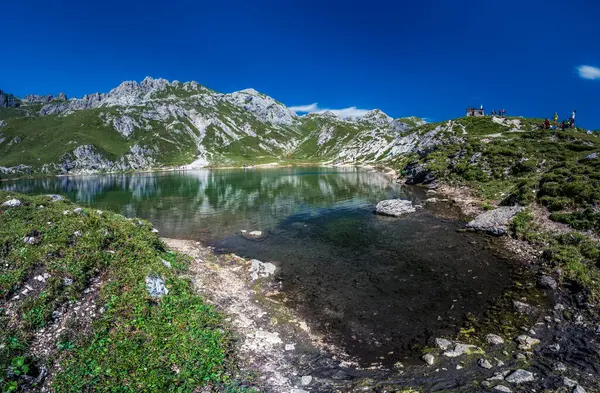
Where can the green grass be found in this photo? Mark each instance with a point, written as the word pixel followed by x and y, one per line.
pixel 177 343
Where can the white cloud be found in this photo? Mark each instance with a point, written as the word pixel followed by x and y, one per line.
pixel 589 72
pixel 305 108
pixel 343 113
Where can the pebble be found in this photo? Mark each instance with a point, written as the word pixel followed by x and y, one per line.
pixel 428 358
pixel 559 307
pixel 306 380
pixel 502 388
pixel 494 339
pixel 290 347
pixel 484 363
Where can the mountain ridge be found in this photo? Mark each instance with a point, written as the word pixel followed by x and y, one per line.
pixel 157 123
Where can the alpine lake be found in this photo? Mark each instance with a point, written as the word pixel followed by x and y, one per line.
pixel 378 287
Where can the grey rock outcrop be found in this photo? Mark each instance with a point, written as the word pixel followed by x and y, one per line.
pixel 8 100
pixel 394 207
pixel 495 222
pixel 37 99
pixel 124 125
pixel 61 97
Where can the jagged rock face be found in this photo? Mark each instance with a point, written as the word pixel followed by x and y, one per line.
pixel 37 99
pixel 8 100
pixel 263 107
pixel 124 125
pixel 194 127
pixel 61 97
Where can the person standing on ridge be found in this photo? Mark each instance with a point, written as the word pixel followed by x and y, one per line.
pixel 555 118
pixel 573 118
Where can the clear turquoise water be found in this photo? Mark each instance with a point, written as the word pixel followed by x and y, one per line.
pixel 373 285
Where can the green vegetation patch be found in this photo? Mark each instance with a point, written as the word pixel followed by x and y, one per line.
pixel 127 341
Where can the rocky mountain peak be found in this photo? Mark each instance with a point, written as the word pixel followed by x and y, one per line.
pixel 262 106
pixel 35 99
pixel 8 100
pixel 376 116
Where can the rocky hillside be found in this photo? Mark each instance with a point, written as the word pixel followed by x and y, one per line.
pixel 158 123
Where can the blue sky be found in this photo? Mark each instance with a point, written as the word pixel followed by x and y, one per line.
pixel 428 58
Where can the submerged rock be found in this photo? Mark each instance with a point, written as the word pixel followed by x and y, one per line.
pixel 260 269
pixel 156 286
pixel 520 376
pixel 395 207
pixel 495 222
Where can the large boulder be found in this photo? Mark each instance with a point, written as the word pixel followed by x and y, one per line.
pixel 495 222
pixel 394 207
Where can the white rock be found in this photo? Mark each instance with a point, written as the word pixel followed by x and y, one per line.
pixel 484 363
pixel 290 347
pixel 526 342
pixel 306 380
pixel 502 388
pixel 578 389
pixel 494 339
pixel 428 358
pixel 156 286
pixel 442 343
pixel 12 203
pixel 460 349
